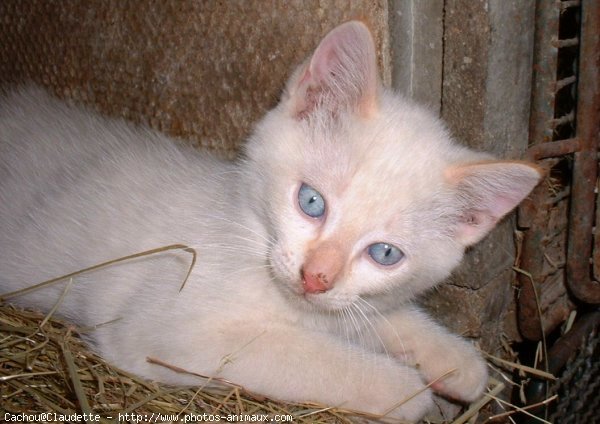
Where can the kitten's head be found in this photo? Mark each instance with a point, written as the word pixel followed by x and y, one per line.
pixel 365 193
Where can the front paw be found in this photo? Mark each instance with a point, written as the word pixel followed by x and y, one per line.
pixel 406 397
pixel 392 391
pixel 469 377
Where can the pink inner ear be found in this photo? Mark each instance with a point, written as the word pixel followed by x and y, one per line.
pixel 503 204
pixel 474 225
pixel 489 190
pixel 342 73
pixel 322 67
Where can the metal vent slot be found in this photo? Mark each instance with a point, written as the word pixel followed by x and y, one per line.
pixel 558 217
pixel 560 255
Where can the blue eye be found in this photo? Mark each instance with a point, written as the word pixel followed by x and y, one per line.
pixel 310 201
pixel 385 254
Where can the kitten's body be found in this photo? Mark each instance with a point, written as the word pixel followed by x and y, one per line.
pixel 77 190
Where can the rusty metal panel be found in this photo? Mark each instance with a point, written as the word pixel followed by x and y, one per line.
pixel 542 203
pixel 564 131
pixel 585 162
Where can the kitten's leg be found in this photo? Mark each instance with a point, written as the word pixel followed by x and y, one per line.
pixel 290 363
pixel 413 337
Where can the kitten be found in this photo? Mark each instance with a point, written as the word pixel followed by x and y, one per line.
pixel 348 202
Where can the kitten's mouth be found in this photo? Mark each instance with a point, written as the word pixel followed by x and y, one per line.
pixel 324 300
pixel 296 289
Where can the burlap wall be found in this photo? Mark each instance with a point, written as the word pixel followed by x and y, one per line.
pixel 203 70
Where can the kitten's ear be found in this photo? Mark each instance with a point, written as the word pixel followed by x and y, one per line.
pixel 341 74
pixel 487 191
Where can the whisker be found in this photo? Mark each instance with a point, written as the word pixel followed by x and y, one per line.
pixel 256 242
pixel 345 324
pixel 248 268
pixel 239 224
pixel 386 321
pixel 236 249
pixel 356 326
pixel 372 327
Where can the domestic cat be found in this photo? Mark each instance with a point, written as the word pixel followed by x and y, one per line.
pixel 347 202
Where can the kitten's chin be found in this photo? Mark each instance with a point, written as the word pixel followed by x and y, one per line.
pixel 327 301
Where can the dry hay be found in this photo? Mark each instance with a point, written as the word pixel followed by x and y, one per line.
pixel 46 367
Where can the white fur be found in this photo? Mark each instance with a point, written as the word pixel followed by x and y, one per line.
pixel 77 189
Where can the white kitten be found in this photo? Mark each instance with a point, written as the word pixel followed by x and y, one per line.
pixel 349 202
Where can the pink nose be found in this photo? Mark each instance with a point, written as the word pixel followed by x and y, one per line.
pixel 315 283
pixel 321 268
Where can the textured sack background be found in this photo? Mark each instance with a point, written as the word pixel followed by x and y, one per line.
pixel 206 70
pixel 200 70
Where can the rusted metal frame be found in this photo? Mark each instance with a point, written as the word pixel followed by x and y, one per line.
pixel 567 345
pixel 532 214
pixel 565 4
pixel 597 240
pixel 554 149
pixel 584 148
pixel 585 166
pixel 559 355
